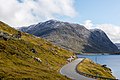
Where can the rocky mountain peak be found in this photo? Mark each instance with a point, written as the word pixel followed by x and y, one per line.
pixel 72 36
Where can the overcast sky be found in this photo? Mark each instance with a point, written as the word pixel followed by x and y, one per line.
pixel 102 14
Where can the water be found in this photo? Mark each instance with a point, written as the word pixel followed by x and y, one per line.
pixel 112 61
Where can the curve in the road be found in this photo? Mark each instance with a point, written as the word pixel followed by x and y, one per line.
pixel 69 70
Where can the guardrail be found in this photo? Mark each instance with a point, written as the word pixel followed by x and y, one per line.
pixel 92 76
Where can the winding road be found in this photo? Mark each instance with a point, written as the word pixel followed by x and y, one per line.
pixel 69 70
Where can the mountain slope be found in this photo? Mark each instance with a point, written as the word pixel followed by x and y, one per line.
pixel 118 45
pixel 29 56
pixel 72 37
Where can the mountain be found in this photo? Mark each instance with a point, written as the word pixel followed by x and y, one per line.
pixel 73 37
pixel 26 56
pixel 118 45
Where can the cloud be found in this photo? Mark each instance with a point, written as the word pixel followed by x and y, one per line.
pixel 88 24
pixel 26 12
pixel 112 31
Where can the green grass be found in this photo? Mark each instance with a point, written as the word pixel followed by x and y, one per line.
pixel 89 67
pixel 16 57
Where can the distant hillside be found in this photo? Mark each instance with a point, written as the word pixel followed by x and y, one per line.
pixel 118 45
pixel 27 56
pixel 73 37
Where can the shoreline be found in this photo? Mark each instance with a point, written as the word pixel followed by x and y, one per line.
pixel 95 65
pixel 96 54
pixel 110 60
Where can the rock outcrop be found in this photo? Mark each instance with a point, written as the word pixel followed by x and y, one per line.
pixel 4 36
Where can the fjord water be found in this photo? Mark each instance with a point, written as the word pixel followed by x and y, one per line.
pixel 112 61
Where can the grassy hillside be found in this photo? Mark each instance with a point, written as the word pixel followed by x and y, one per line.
pixel 17 58
pixel 89 67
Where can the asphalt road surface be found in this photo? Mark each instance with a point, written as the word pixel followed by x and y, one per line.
pixel 69 71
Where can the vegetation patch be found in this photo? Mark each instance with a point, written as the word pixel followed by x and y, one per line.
pixel 18 57
pixel 89 67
